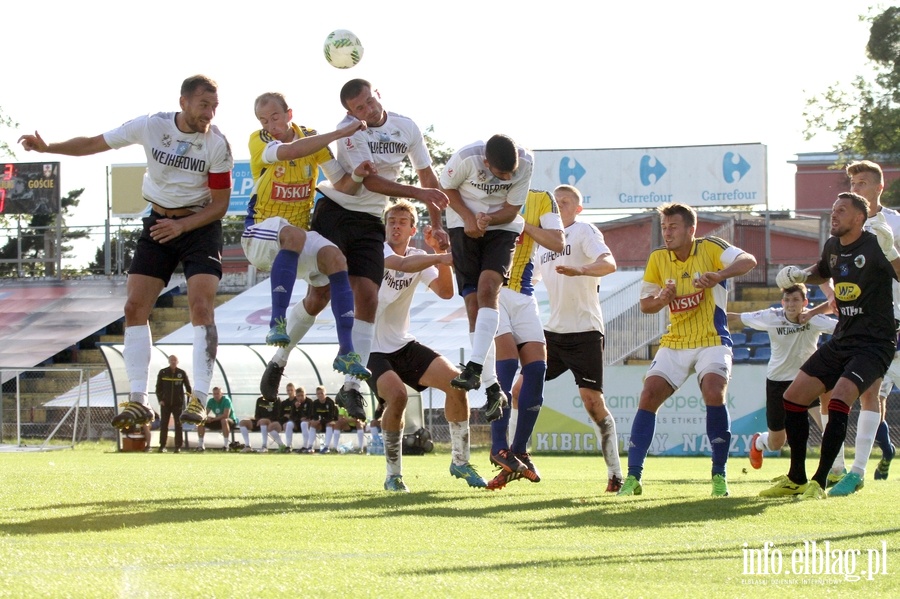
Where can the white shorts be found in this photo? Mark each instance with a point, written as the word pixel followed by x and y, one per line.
pixel 891 377
pixel 675 365
pixel 260 243
pixel 519 315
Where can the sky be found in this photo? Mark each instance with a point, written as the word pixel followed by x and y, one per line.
pixel 553 75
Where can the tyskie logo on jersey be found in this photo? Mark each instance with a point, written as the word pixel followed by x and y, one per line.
pixel 283 192
pixel 686 302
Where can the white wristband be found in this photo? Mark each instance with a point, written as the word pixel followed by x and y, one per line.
pixel 357 178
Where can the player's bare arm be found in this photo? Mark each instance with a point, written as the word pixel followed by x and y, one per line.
pixel 506 214
pixel 600 267
pixel 428 179
pixel 741 266
pixel 552 239
pixel 443 284
pixel 77 146
pixel 662 297
pixel 312 144
pixel 469 218
pixel 417 262
pixel 167 229
pixel 347 184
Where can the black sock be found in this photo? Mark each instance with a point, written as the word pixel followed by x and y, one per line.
pixel 832 438
pixel 796 425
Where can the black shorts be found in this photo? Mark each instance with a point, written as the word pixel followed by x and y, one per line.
pixel 861 363
pixel 216 425
pixel 775 403
pixel 199 251
pixel 409 362
pixel 472 256
pixel 360 236
pixel 582 353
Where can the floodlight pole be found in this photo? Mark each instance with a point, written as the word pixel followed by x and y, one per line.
pixel 107 263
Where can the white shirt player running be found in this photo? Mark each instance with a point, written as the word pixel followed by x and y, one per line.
pixel 178 163
pixel 574 301
pixel 481 191
pixel 394 300
pixel 792 343
pixel 386 146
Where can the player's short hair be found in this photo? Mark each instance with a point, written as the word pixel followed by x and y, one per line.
pixel 865 166
pixel 796 288
pixel 291 385
pixel 571 189
pixel 353 88
pixel 322 387
pixel 219 388
pixel 300 389
pixel 859 202
pixel 276 97
pixel 501 153
pixel 196 83
pixel 688 214
pixel 402 205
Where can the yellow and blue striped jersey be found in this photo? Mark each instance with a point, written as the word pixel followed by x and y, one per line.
pixel 285 188
pixel 537 205
pixel 697 316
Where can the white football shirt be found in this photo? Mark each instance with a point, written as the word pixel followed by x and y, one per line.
pixel 574 301
pixel 387 146
pixel 481 191
pixel 178 163
pixel 792 343
pixel 394 301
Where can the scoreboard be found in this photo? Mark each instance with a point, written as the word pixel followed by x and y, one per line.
pixel 29 187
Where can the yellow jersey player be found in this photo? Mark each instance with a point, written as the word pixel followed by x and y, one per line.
pixel 688 276
pixel 284 161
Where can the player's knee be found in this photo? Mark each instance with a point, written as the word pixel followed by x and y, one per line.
pixel 292 238
pixel 331 260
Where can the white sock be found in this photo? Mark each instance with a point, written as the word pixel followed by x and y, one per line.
pixel 393 453
pixel 299 322
pixel 200 443
pixel 376 432
pixel 762 442
pixel 351 382
pixel 136 354
pixel 225 439
pixel 609 442
pixel 329 432
pixel 276 437
pixel 289 433
pixel 304 433
pixel 513 423
pixel 866 427
pixel 489 368
pixel 264 433
pixel 245 434
pixel 362 335
pixel 486 324
pixel 361 437
pixel 206 343
pixel 459 442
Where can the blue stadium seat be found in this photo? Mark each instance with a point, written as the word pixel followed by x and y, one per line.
pixel 759 339
pixel 738 339
pixel 761 355
pixel 741 354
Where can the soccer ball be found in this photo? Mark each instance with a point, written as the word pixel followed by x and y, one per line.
pixel 343 49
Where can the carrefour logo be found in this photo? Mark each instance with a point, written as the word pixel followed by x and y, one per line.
pixel 733 171
pixel 648 169
pixel 570 171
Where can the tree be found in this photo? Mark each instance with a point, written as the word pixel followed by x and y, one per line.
pixel 866 117
pixel 37 241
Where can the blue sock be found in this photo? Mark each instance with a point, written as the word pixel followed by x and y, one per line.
pixel 642 430
pixel 531 397
pixel 342 308
pixel 506 374
pixel 718 429
pixel 284 273
pixel 883 438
